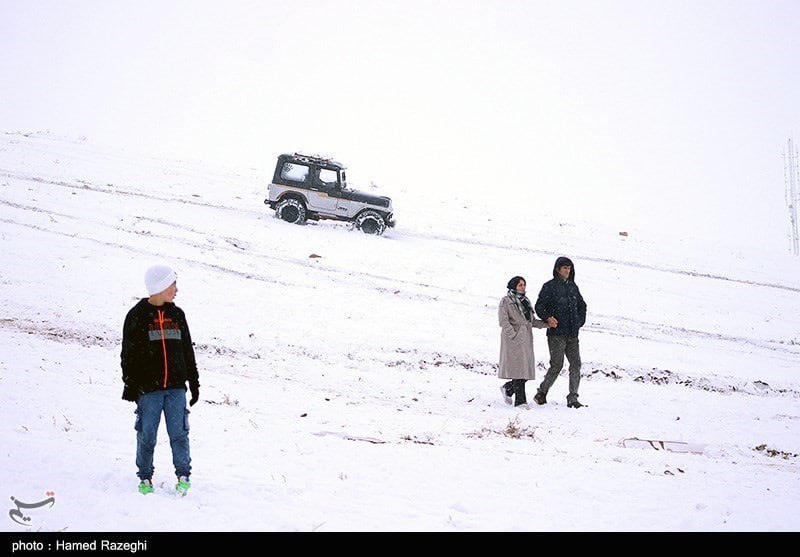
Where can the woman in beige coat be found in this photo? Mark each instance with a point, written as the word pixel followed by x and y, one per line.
pixel 517 363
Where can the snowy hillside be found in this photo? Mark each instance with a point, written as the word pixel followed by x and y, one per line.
pixel 348 382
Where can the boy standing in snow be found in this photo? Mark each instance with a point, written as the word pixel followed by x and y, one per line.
pixel 560 304
pixel 157 360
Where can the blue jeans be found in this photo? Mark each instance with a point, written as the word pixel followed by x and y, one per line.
pixel 148 416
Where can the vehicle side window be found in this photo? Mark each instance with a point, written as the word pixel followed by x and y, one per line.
pixel 294 172
pixel 327 177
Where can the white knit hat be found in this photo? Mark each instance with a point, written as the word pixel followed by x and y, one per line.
pixel 158 278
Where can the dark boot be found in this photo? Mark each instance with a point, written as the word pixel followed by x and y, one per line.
pixel 540 398
pixel 519 392
pixel 573 403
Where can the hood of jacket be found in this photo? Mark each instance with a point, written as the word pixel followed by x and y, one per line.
pixel 564 261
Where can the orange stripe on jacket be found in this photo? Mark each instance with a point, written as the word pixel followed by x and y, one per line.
pixel 163 346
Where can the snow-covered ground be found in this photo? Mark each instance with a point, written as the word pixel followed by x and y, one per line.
pixel 357 390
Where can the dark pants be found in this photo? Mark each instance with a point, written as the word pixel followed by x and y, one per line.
pixel 516 387
pixel 561 346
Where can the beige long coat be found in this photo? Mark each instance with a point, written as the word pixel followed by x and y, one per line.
pixel 516 342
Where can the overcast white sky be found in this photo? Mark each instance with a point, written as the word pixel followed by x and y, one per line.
pixel 666 114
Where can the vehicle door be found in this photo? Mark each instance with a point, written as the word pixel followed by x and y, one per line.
pixel 324 182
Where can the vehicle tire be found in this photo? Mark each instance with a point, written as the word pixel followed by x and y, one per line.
pixel 371 222
pixel 291 210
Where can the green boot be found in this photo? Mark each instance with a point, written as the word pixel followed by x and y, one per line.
pixel 146 486
pixel 183 485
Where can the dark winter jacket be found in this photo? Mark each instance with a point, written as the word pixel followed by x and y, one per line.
pixel 157 352
pixel 561 299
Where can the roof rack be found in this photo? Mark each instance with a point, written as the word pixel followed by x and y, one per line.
pixel 319 159
pixel 313 158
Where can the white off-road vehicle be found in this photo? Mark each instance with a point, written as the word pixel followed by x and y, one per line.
pixel 309 187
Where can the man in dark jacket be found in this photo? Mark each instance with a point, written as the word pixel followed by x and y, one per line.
pixel 157 360
pixel 560 304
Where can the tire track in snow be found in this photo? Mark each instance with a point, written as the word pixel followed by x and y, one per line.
pixel 679 335
pixel 393 286
pixel 114 190
pixel 596 259
pixel 406 233
pixel 406 289
pixel 648 330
